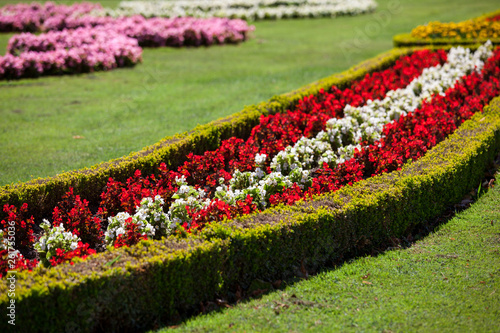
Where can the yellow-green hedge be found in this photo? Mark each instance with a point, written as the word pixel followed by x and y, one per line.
pixel 42 195
pixel 407 40
pixel 131 289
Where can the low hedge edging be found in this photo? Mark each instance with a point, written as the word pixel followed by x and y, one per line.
pixel 130 289
pixel 42 194
pixel 407 40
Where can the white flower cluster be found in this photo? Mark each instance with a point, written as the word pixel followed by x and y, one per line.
pixel 244 9
pixel 149 217
pixel 260 186
pixel 305 154
pixel 186 196
pixel 152 221
pixel 55 238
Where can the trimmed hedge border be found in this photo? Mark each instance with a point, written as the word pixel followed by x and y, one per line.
pixel 43 194
pixel 406 39
pixel 130 289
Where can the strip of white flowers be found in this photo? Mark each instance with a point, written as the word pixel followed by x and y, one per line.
pixel 295 163
pixel 244 9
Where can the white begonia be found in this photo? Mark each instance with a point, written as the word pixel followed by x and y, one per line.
pixel 43 244
pixel 119 231
pixel 260 159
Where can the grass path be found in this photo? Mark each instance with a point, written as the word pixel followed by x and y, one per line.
pixel 55 124
pixel 446 282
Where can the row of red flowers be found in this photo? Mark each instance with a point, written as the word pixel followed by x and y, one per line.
pixel 493 18
pixel 406 139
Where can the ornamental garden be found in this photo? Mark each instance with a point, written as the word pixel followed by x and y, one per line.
pixel 356 158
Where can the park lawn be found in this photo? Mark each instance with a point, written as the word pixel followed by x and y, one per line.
pixel 55 124
pixel 448 281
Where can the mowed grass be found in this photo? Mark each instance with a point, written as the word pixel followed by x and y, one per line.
pixel 54 124
pixel 446 282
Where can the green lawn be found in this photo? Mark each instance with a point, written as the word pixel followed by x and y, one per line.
pixel 55 124
pixel 446 282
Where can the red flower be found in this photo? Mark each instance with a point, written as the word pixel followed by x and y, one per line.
pixel 82 251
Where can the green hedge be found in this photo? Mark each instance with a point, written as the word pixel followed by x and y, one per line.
pixel 42 195
pixel 131 289
pixel 407 40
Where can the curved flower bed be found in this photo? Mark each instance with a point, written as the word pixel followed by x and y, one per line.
pixel 70 51
pixel 242 176
pixel 245 9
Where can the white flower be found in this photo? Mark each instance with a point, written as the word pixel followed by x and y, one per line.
pixel 260 159
pixel 43 243
pixel 183 189
pixel 45 222
pixel 119 231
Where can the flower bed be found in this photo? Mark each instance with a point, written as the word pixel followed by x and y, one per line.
pixel 266 170
pixel 137 288
pixel 233 154
pixel 183 31
pixel 87 43
pixel 70 51
pixel 244 9
pixel 477 30
pixel 31 17
pixel 178 31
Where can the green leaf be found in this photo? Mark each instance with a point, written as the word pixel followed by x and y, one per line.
pixel 111 262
